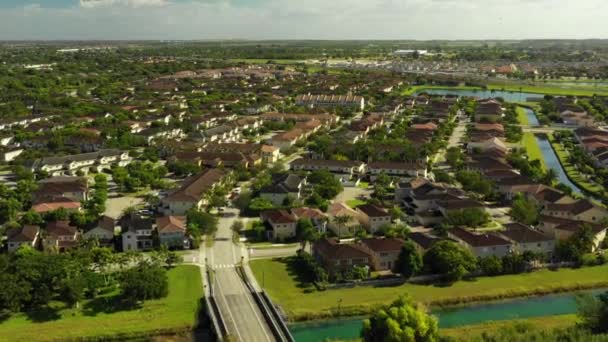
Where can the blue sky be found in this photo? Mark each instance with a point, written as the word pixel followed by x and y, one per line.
pixel 302 19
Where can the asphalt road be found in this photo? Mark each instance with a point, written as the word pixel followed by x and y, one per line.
pixel 242 316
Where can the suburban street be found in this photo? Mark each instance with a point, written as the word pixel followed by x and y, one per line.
pixel 242 316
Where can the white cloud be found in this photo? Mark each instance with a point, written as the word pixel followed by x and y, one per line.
pixel 130 3
pixel 310 19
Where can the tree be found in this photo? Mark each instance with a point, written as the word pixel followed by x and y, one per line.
pixel 524 211
pixel 491 265
pixel 396 213
pixel 409 262
pixel 305 232
pixel 325 184
pixel 144 281
pixel 31 217
pixel 468 217
pixel 593 312
pixel 450 260
pixel 454 157
pixel 259 204
pixel 200 223
pixel 341 221
pixel 401 321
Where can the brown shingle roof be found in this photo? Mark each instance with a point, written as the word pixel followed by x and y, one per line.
pixel 478 240
pixel 193 189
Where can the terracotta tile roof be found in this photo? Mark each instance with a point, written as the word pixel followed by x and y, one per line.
pixel 56 204
pixel 169 224
pixel 279 216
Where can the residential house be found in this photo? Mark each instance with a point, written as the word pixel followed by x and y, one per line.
pixel 526 239
pixel 103 230
pixel 282 223
pixel 356 102
pixel 482 245
pixel 136 232
pixel 172 231
pixel 60 236
pixel 337 257
pixel 72 163
pixel 581 210
pixel 283 187
pixel 397 169
pixel 27 235
pixel 316 216
pixel 345 170
pixel 385 252
pixel 373 217
pixel 191 193
pixel 562 228
pixel 343 220
pixel 423 241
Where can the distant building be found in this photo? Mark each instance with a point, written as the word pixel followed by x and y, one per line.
pixel 357 102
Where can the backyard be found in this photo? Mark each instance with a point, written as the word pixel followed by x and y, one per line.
pixel 302 301
pixel 175 313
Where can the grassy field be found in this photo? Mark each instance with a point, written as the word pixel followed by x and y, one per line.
pixel 573 174
pixel 533 150
pixel 467 332
pixel 175 312
pixel 301 301
pixel 353 203
pixel 545 89
pixel 522 117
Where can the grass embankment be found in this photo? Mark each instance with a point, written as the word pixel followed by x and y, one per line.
pixel 573 174
pixel 522 117
pixel 175 313
pixel 468 332
pixel 353 203
pixel 302 301
pixel 529 142
pixel 549 90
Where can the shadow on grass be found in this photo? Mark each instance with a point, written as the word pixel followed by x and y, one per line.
pixel 108 304
pixel 303 281
pixel 43 314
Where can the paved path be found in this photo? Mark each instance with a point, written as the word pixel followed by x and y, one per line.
pixel 242 316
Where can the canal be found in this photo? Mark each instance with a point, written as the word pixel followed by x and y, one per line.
pixel 509 96
pixel 531 115
pixel 552 162
pixel 549 305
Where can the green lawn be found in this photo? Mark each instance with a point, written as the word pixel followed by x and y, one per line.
pixel 176 312
pixel 353 203
pixel 301 301
pixel 533 150
pixel 545 89
pixel 467 332
pixel 522 117
pixel 575 176
pixel 363 185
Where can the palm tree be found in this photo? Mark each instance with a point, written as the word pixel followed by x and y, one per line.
pixel 341 222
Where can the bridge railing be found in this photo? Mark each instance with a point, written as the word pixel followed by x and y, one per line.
pixel 274 319
pixel 219 326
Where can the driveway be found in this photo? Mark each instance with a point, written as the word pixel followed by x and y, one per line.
pixel 350 193
pixel 116 205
